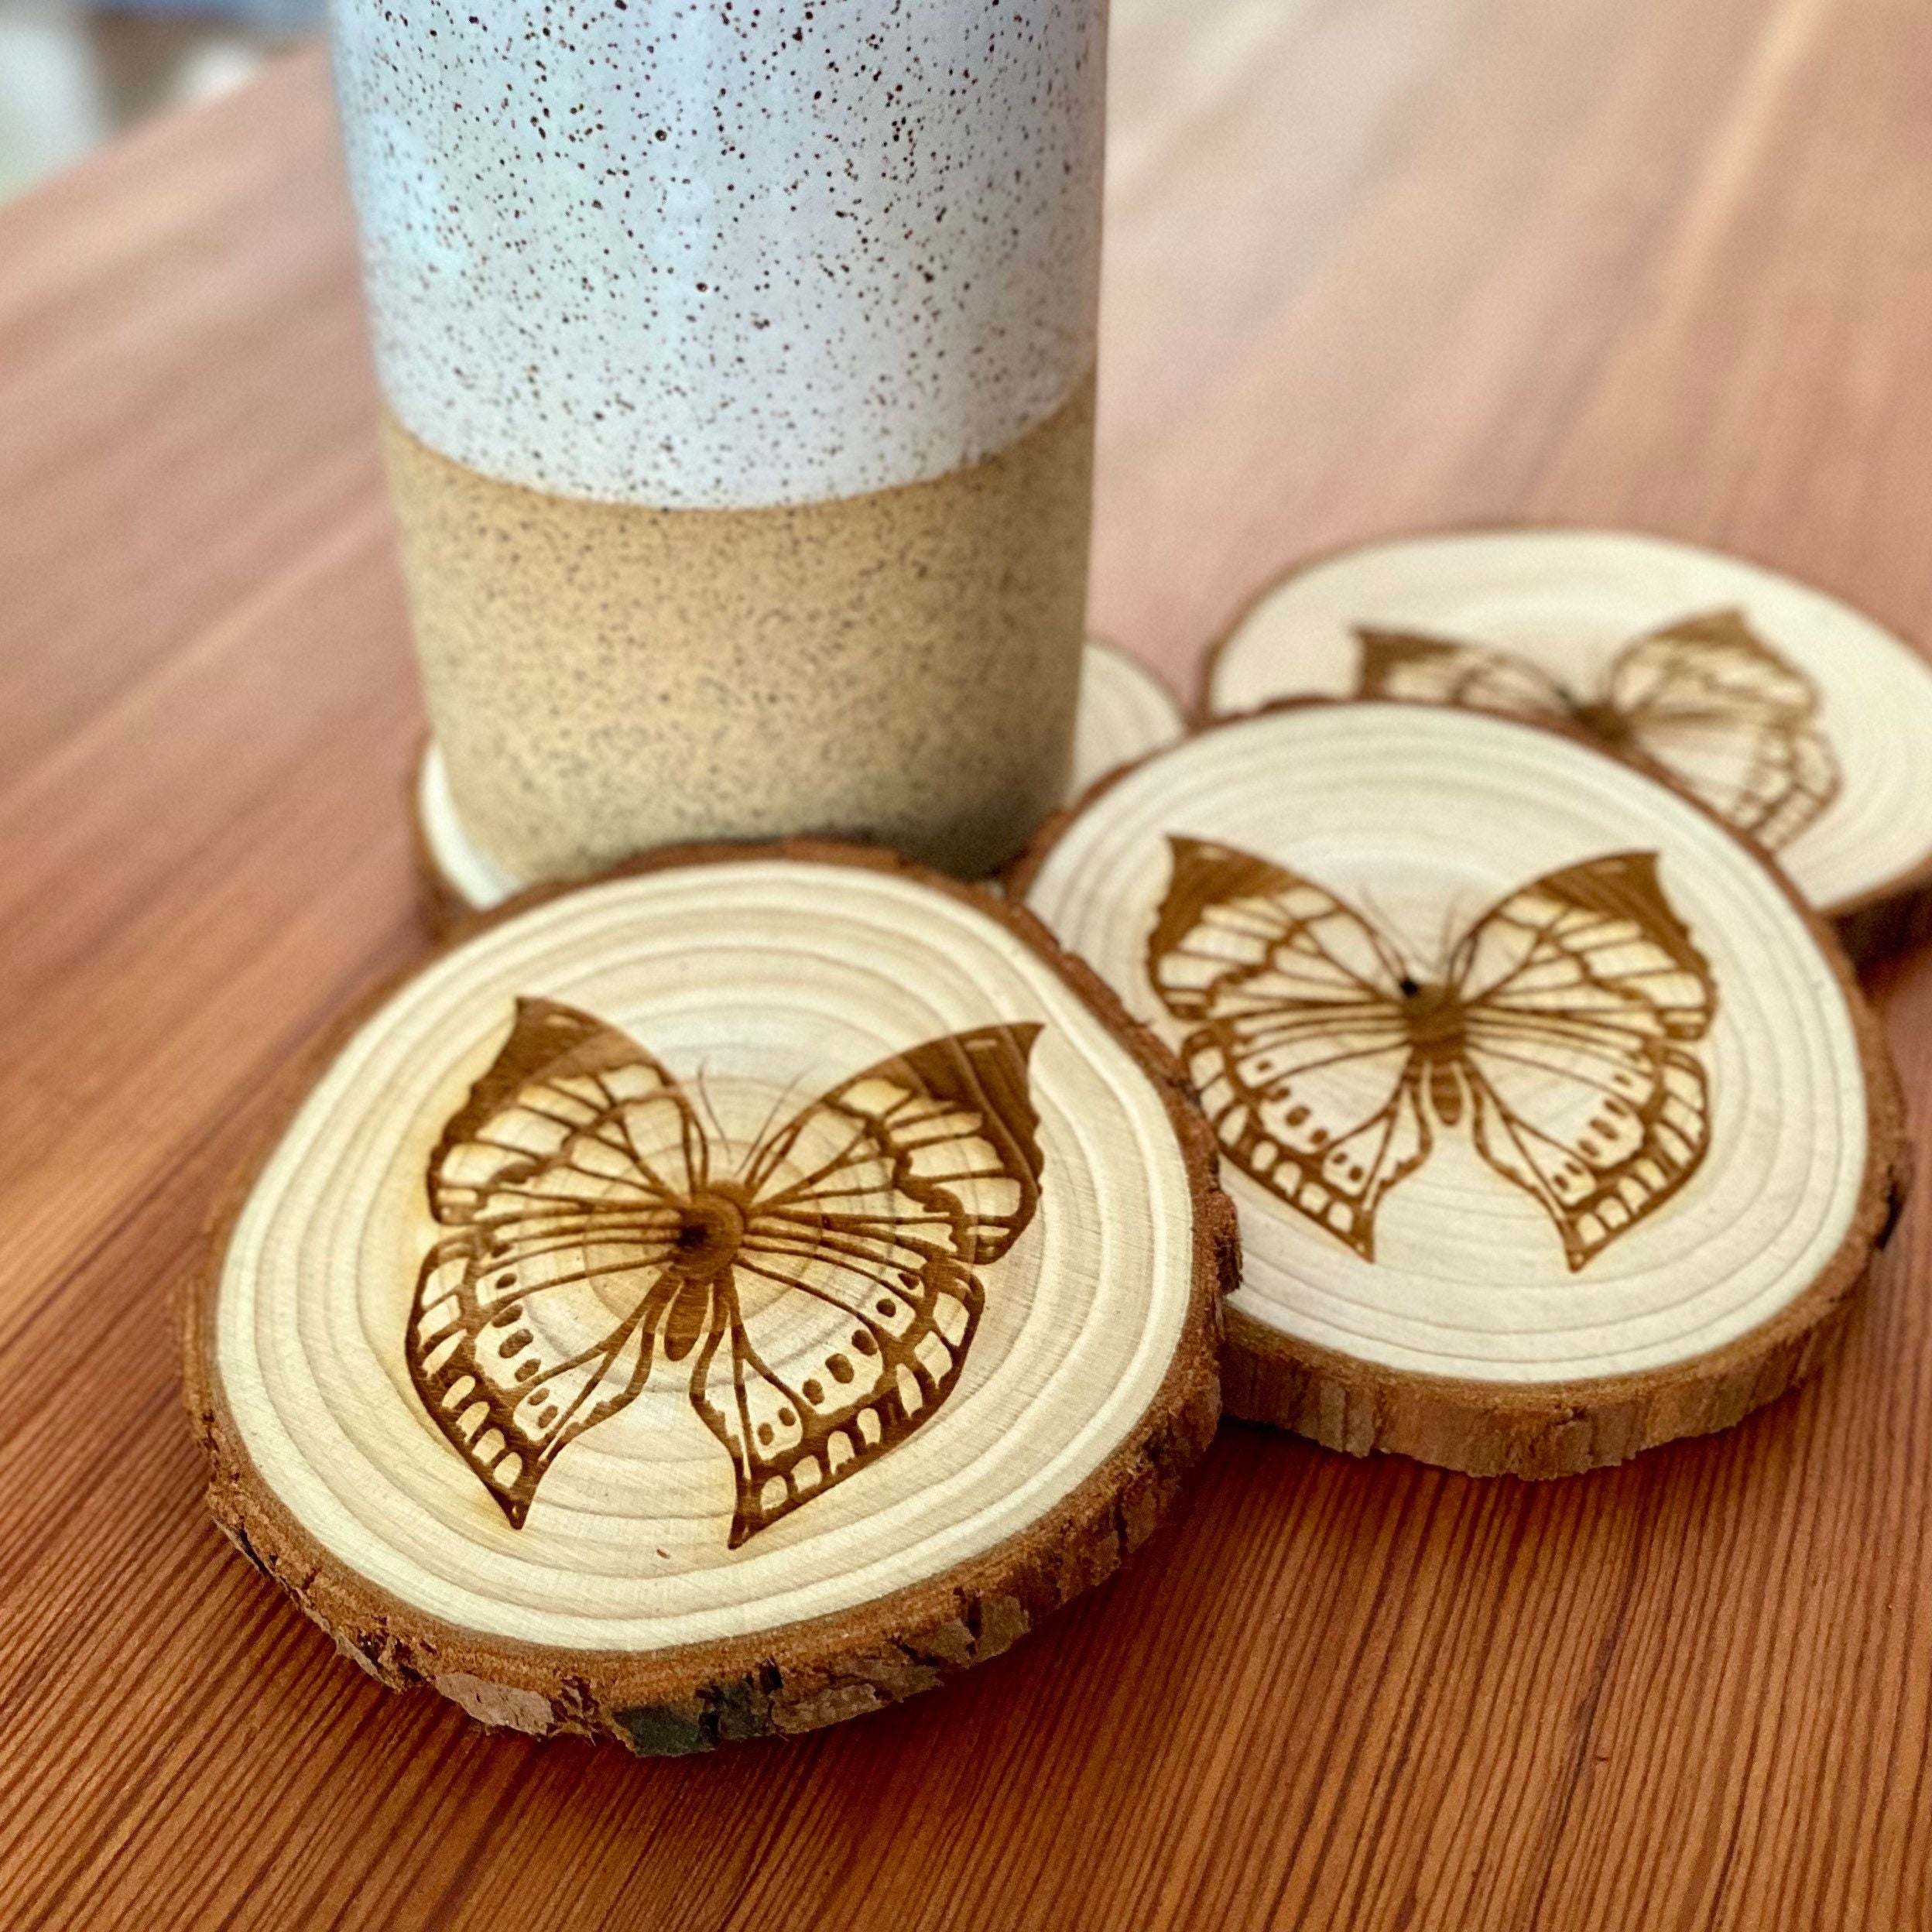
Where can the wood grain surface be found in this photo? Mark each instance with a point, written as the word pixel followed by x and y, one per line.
pixel 1392 263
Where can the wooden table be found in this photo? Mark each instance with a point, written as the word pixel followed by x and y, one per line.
pixel 1371 265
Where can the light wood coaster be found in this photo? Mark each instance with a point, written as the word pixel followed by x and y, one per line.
pixel 1556 1123
pixel 1125 713
pixel 1794 717
pixel 720 1299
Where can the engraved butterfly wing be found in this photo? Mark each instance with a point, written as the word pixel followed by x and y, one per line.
pixel 822 1290
pixel 1296 1038
pixel 1434 671
pixel 854 1292
pixel 1717 707
pixel 563 1174
pixel 1564 1020
pixel 1578 995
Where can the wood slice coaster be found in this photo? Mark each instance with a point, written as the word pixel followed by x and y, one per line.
pixel 1794 717
pixel 1125 713
pixel 1556 1123
pixel 720 1299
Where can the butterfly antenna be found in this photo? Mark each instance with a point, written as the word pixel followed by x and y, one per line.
pixel 1453 923
pixel 718 1126
pixel 748 1173
pixel 1386 932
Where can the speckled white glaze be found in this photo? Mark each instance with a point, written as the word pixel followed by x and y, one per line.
pixel 729 254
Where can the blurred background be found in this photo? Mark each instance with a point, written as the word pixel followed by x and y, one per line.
pixel 72 75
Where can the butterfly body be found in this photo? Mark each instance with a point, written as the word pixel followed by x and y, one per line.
pixel 709 1232
pixel 1432 1012
pixel 1602 720
pixel 1558 1031
pixel 816 1276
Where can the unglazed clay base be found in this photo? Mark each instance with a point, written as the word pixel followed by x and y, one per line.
pixel 901 666
pixel 1792 716
pixel 1556 1122
pixel 720 1299
pixel 1125 713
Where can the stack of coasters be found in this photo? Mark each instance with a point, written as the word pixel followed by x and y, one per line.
pixel 1556 1121
pixel 720 1299
pixel 730 1295
pixel 1798 721
pixel 1125 713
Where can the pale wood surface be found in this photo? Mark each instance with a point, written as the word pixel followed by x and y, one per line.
pixel 1371 266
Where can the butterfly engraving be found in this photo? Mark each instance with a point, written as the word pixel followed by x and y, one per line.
pixel 816 1282
pixel 1558 1028
pixel 1706 698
